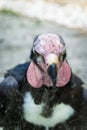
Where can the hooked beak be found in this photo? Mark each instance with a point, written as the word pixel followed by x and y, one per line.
pixel 52 61
pixel 52 72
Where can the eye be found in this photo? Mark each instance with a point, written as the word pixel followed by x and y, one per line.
pixel 39 58
pixel 62 56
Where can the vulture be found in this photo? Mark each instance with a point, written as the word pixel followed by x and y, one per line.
pixel 43 93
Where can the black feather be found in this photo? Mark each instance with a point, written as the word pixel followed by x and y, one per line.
pixel 18 72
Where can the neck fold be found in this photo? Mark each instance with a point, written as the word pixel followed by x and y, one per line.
pixel 36 78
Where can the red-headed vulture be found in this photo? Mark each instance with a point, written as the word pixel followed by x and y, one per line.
pixel 44 93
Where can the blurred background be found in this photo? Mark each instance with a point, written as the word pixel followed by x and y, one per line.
pixel 22 20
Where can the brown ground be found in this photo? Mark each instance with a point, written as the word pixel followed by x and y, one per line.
pixel 83 3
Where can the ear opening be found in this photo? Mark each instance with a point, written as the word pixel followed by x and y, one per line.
pixel 31 54
pixel 61 40
pixel 36 37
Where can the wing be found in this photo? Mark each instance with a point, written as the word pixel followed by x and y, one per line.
pixel 85 91
pixel 77 82
pixel 19 73
pixel 10 86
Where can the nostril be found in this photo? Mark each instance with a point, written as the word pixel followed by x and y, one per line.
pixel 53 46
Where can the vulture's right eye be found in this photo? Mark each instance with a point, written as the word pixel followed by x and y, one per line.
pixel 62 57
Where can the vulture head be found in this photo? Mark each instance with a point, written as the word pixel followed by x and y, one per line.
pixel 48 62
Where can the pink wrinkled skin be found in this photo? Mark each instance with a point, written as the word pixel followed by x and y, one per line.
pixel 47 45
pixel 37 78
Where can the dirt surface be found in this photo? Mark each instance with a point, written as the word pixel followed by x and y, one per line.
pixel 71 14
pixel 16 38
pixel 63 2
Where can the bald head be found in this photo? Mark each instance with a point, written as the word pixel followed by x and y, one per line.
pixel 49 43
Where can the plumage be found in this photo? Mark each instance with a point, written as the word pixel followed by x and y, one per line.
pixel 43 101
